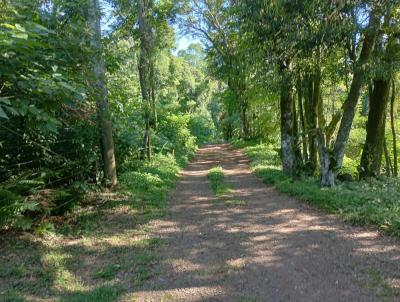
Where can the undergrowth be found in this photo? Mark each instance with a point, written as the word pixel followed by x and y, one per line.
pixel 372 202
pixel 98 252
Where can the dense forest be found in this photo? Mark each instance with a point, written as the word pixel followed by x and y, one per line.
pixel 92 91
pixel 82 105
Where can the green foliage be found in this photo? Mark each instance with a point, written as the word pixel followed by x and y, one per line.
pixel 202 127
pixel 108 272
pixel 49 135
pixel 142 181
pixel 350 167
pixel 45 228
pixel 370 202
pixel 12 210
pixel 24 202
pixel 216 177
pixel 174 130
pixel 152 180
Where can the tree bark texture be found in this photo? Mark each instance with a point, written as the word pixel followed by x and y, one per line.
pixel 350 104
pixel 146 74
pixel 286 110
pixel 302 123
pixel 312 96
pixel 371 157
pixel 100 93
pixel 393 128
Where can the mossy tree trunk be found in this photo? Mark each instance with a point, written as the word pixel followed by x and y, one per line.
pixel 393 128
pixel 371 157
pixel 302 122
pixel 312 98
pixel 286 110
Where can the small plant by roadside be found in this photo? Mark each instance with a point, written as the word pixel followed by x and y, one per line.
pixel 220 189
pixel 216 177
pixel 236 203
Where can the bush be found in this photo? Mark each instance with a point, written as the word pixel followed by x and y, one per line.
pixel 25 202
pixel 153 179
pixel 349 167
pixel 12 210
pixel 216 177
pixel 202 127
pixel 175 131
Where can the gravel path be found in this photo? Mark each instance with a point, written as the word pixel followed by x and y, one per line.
pixel 274 249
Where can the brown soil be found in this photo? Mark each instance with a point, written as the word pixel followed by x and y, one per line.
pixel 274 249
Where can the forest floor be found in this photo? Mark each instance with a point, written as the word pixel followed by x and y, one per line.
pixel 250 243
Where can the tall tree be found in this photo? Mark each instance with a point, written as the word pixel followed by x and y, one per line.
pixel 331 160
pixel 374 143
pixel 287 119
pixel 146 70
pixel 100 94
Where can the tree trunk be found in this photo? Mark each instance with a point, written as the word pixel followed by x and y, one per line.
pixel 312 97
pixel 100 93
pixel 327 172
pixel 302 124
pixel 298 162
pixel 286 110
pixel 349 106
pixel 388 163
pixel 371 158
pixel 243 118
pixel 154 118
pixel 145 74
pixel 393 128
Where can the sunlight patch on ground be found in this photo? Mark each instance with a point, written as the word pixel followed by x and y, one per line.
pixel 199 293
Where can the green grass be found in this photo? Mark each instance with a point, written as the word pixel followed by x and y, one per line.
pixel 106 293
pixel 144 259
pixel 373 202
pixel 236 203
pixel 216 178
pixel 84 257
pixel 149 243
pixel 108 272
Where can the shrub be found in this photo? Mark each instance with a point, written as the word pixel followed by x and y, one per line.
pixel 175 130
pixel 152 180
pixel 202 127
pixel 12 210
pixel 216 177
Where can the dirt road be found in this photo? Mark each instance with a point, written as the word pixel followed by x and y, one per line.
pixel 274 249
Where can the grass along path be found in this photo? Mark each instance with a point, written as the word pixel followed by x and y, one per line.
pixel 370 202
